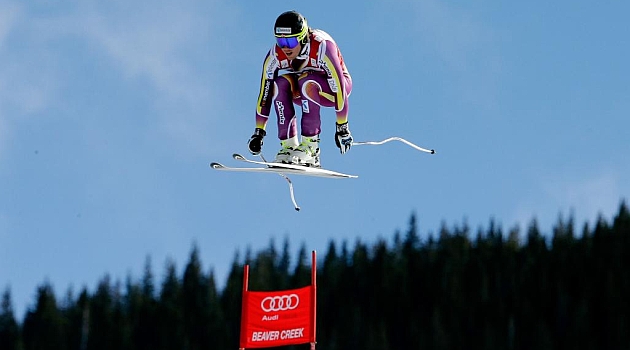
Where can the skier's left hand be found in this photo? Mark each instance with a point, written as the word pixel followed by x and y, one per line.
pixel 343 138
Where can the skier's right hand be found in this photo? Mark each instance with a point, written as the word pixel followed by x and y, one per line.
pixel 256 141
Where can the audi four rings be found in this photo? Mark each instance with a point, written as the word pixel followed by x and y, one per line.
pixel 280 303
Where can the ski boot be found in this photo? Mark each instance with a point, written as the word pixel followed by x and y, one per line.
pixel 307 153
pixel 284 155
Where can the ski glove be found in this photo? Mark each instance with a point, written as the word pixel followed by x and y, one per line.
pixel 343 138
pixel 256 141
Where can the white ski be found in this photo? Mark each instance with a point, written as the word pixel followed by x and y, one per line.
pixel 219 166
pixel 281 168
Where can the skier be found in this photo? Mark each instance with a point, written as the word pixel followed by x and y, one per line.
pixel 304 67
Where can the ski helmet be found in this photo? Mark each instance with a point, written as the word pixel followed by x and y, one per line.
pixel 291 24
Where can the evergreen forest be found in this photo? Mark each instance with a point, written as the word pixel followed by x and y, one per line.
pixel 455 289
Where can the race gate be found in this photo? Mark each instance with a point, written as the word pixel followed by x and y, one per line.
pixel 278 318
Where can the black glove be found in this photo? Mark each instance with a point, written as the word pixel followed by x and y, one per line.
pixel 256 141
pixel 343 138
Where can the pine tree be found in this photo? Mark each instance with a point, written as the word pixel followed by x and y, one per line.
pixel 44 326
pixel 231 302
pixel 142 311
pixel 170 314
pixel 196 305
pixel 9 329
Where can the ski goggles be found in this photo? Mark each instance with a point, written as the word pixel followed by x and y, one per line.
pixel 291 41
pixel 287 42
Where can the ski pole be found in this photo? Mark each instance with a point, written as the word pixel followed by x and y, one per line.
pixel 395 138
pixel 297 208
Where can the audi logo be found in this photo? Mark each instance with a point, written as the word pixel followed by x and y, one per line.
pixel 280 303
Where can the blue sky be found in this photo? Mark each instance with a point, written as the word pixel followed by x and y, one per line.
pixel 110 113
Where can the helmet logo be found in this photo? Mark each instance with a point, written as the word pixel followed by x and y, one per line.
pixel 283 30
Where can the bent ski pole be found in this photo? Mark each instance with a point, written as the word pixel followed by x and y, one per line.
pixel 297 208
pixel 359 143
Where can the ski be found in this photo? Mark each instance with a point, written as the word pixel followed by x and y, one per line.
pixel 278 168
pixel 295 169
